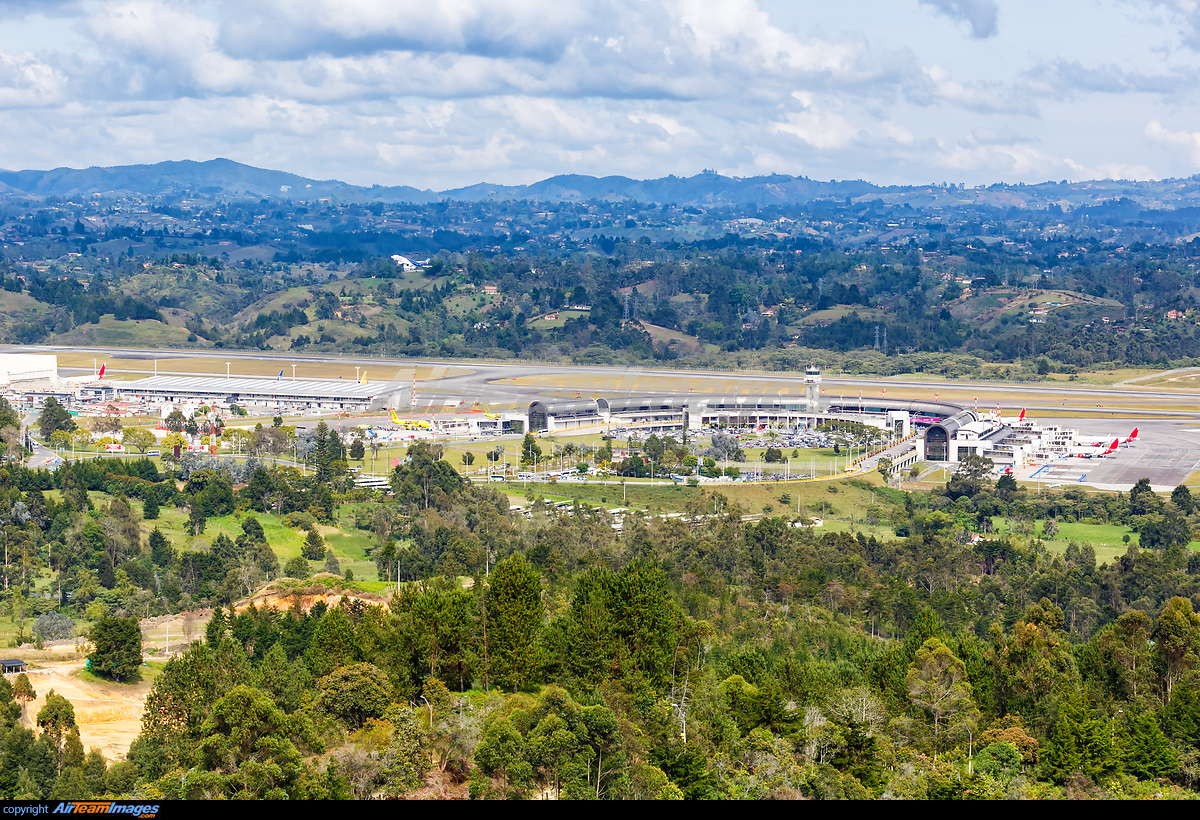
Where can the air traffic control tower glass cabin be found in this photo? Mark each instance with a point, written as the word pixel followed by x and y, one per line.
pixel 812 388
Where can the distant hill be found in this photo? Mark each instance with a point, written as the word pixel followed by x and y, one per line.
pixel 214 177
pixel 226 178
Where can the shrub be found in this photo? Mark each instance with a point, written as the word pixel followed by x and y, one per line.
pixel 54 626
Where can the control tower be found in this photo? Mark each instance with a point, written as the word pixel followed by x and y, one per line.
pixel 812 388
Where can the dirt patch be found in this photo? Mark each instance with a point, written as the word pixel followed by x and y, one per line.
pixel 283 600
pixel 109 715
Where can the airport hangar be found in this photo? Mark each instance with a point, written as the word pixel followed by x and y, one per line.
pixel 301 395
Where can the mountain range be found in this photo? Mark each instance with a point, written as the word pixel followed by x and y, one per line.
pixel 223 178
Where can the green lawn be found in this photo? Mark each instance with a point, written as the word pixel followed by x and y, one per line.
pixel 349 545
pixel 1106 539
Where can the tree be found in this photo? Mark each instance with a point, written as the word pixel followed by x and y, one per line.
pixel 57 721
pixel 971 475
pixel 171 441
pixel 1142 499
pixel 150 505
pixel 937 683
pixel 386 757
pixel 357 451
pixel 297 568
pixel 314 546
pixel 23 691
pixel 197 517
pixel 331 563
pixel 175 422
pixel 530 451
pixel 1181 496
pixel 54 417
pixel 118 643
pixel 654 449
pixel 1176 637
pixel 355 693
pixel 138 438
pixel 253 743
pixel 514 611
pixel 161 552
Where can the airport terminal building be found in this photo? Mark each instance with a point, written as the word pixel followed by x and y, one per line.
pixel 298 396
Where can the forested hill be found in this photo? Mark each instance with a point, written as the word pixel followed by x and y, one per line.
pixel 223 177
pixel 962 650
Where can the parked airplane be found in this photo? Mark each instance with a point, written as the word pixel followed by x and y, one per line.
pixel 80 381
pixel 410 424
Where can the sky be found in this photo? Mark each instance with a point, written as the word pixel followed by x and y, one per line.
pixel 447 93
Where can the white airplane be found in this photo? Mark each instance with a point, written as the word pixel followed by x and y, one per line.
pixel 80 381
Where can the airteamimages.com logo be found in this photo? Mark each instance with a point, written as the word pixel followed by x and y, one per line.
pixel 106 807
pixel 126 808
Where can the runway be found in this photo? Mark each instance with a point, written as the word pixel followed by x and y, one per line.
pixel 1167 452
pixel 515 383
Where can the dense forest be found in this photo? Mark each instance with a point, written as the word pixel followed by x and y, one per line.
pixel 987 292
pixel 699 656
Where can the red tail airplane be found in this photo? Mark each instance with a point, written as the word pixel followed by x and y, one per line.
pixel 79 381
pixel 1132 436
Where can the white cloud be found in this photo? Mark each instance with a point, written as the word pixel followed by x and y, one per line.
pixel 451 92
pixel 1184 143
pixel 165 47
pixel 27 82
pixel 980 15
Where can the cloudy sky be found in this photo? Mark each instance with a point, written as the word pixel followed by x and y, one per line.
pixel 443 93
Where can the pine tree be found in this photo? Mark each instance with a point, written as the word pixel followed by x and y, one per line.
pixel 150 507
pixel 515 613
pixel 27 787
pixel 118 643
pixel 314 546
pixel 1148 753
pixel 161 552
pixel 215 630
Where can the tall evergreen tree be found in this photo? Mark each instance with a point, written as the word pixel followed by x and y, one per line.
pixel 118 643
pixel 161 552
pixel 150 505
pixel 515 613
pixel 314 546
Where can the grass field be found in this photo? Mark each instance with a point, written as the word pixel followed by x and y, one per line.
pixel 349 544
pixel 831 500
pixel 1106 539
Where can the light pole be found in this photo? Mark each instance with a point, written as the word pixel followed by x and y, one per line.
pixel 293 372
pixel 227 370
